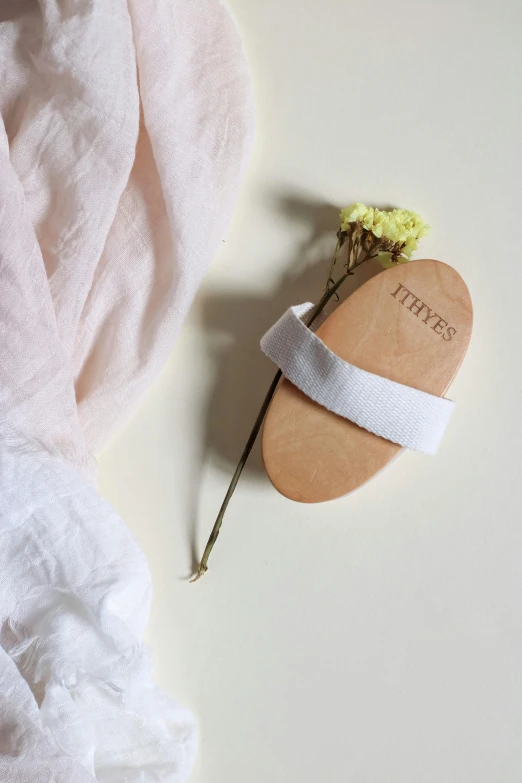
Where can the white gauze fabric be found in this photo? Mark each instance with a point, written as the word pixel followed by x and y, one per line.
pixel 407 416
pixel 125 130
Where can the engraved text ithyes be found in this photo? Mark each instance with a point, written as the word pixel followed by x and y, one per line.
pixel 425 313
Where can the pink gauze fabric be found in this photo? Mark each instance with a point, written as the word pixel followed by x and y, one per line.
pixel 125 129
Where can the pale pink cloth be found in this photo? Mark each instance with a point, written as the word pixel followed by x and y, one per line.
pixel 113 201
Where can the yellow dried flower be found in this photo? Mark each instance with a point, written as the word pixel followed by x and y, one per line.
pixel 403 227
pixel 352 215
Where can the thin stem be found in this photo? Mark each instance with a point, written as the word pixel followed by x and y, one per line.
pixel 203 567
pixel 332 264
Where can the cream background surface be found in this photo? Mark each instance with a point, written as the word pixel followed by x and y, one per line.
pixel 378 638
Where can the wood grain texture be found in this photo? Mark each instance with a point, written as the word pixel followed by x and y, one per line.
pixel 412 324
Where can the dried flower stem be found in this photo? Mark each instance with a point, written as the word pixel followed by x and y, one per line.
pixel 332 265
pixel 203 567
pixel 329 292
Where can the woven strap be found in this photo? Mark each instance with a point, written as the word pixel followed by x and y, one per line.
pixel 407 416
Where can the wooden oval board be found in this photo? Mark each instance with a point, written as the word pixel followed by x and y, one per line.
pixel 412 324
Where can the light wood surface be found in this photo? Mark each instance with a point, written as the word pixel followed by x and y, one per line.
pixel 412 324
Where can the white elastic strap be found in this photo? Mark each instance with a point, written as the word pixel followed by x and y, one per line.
pixel 407 416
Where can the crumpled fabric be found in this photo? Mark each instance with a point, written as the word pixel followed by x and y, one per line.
pixel 125 130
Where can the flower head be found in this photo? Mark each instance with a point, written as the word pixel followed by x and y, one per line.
pixel 398 229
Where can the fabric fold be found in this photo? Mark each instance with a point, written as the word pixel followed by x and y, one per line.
pixel 125 131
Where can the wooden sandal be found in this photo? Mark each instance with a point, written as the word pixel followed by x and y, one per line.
pixel 369 382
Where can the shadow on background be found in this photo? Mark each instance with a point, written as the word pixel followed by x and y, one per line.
pixel 244 373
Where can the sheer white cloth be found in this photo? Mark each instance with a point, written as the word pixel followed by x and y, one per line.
pixel 125 129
